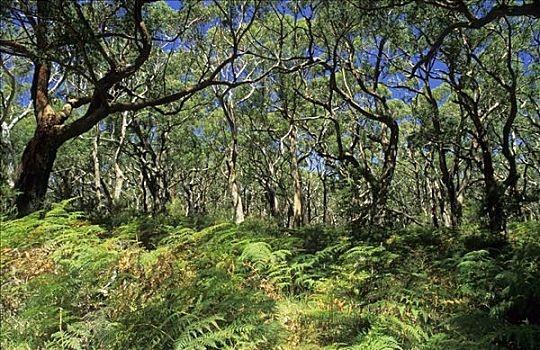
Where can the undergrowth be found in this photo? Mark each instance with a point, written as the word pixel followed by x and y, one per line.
pixel 69 284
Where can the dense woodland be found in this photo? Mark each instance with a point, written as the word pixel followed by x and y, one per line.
pixel 270 174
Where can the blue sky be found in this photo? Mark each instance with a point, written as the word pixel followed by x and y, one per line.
pixel 174 4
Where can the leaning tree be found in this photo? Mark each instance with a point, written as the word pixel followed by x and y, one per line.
pixel 116 57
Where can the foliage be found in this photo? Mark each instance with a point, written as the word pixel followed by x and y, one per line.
pixel 379 159
pixel 68 284
pixel 304 113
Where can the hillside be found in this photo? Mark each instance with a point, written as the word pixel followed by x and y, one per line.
pixel 150 283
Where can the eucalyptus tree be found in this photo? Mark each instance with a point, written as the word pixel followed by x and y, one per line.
pixel 484 73
pixel 269 125
pixel 196 178
pixel 441 144
pixel 263 158
pixel 108 45
pixel 353 53
pixel 289 109
pixel 227 104
pixel 230 101
pixel 112 155
pixel 478 50
pixel 11 113
pixel 527 135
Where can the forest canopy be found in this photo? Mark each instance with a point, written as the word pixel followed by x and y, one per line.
pixel 373 113
pixel 384 127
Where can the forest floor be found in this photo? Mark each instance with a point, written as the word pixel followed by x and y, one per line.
pixel 171 284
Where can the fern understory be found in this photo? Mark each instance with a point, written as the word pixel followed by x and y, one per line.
pixel 69 284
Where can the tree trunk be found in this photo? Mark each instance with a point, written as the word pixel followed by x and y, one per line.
pixel 237 199
pixel 493 204
pixel 308 201
pixel 40 153
pixel 297 204
pixel 382 186
pixel 273 201
pixel 36 166
pixel 433 206
pixel 238 206
pixel 97 170
pixel 493 193
pixel 119 176
pixel 447 178
pixel 7 154
pixel 325 197
pixel 455 210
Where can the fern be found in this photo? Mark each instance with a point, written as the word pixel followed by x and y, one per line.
pixel 68 284
pixel 204 333
pixel 73 338
pixel 308 270
pixel 375 341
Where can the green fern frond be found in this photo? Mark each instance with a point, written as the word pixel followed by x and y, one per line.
pixel 203 333
pixel 374 341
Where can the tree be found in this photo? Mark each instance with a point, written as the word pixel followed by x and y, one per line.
pixel 78 37
pixel 355 112
pixel 489 99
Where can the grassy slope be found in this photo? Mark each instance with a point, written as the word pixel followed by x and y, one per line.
pixel 67 284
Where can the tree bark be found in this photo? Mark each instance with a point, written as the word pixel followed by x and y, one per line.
pixel 119 176
pixel 228 110
pixel 7 149
pixel 7 154
pixel 448 181
pixel 298 200
pixel 50 134
pixel 35 168
pixel 272 200
pixel 97 170
pixel 493 201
